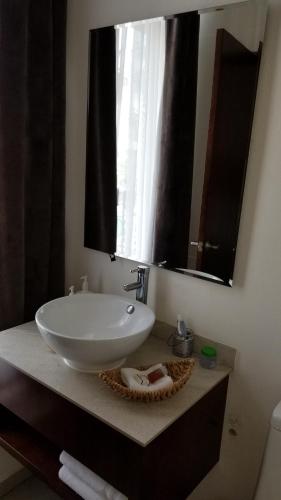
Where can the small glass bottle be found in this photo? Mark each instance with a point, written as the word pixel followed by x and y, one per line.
pixel 208 357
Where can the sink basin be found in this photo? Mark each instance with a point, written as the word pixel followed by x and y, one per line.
pixel 94 331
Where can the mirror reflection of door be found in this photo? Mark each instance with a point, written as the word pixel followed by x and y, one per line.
pixel 234 88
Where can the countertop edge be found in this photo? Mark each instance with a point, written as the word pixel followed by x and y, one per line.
pixel 225 374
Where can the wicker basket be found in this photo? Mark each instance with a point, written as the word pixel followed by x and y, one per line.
pixel 179 371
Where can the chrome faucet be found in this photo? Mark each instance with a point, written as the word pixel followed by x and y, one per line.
pixel 141 285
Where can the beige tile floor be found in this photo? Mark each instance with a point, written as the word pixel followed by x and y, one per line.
pixel 31 489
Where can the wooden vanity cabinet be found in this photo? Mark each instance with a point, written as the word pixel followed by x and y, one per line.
pixel 36 424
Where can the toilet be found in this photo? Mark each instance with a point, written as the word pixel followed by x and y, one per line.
pixel 269 485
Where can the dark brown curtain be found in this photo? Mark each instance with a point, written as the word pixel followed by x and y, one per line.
pixel 32 156
pixel 177 140
pixel 101 170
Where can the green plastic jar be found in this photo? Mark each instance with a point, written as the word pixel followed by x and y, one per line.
pixel 208 357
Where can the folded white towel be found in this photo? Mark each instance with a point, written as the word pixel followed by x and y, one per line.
pixel 89 477
pixel 79 486
pixel 137 379
pixel 82 472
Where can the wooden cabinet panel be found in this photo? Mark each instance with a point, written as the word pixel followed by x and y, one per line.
pixel 168 468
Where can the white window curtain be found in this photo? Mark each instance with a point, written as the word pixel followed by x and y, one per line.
pixel 140 71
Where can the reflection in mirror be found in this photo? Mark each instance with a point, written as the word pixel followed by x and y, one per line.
pixel 139 87
pixel 171 104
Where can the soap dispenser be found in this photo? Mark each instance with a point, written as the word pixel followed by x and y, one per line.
pixel 85 285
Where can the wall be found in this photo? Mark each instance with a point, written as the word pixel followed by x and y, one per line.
pixel 248 316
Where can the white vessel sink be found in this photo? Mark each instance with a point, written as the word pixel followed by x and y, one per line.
pixel 93 331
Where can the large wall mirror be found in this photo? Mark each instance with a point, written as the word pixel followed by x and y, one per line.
pixel 170 111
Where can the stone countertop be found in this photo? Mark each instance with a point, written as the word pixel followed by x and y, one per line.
pixel 24 348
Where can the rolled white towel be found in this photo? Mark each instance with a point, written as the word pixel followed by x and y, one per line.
pixel 82 472
pixel 113 494
pixel 137 379
pixel 89 477
pixel 81 488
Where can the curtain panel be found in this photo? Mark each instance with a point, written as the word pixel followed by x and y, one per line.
pixel 32 156
pixel 177 140
pixel 140 72
pixel 101 177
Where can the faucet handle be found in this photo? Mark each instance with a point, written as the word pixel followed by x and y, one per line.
pixel 140 269
pixel 141 284
pixel 134 270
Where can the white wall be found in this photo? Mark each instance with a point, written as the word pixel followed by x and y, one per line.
pixel 248 316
